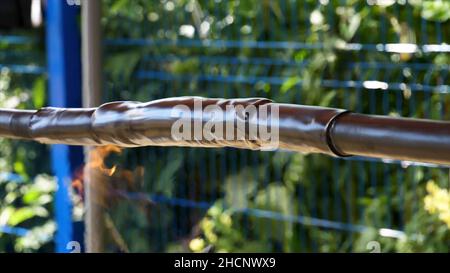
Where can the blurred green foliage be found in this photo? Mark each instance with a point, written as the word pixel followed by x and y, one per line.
pixel 26 190
pixel 276 201
pixel 27 205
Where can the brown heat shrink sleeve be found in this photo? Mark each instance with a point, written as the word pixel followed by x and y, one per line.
pixel 306 129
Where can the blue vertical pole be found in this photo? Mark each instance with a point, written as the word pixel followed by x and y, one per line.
pixel 64 70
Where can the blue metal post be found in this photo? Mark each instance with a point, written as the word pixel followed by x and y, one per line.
pixel 64 70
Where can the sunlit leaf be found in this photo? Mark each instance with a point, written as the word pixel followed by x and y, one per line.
pixel 22 214
pixel 436 10
pixel 39 93
pixel 290 83
pixel 122 65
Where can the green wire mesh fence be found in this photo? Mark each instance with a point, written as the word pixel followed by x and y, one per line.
pixel 378 57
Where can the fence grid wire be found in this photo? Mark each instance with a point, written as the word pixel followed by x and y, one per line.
pixel 294 52
pixel 255 51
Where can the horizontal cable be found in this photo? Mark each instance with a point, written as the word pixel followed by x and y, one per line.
pixel 403 164
pixel 13 177
pixel 389 48
pixel 304 220
pixel 134 124
pixel 225 60
pixel 17 231
pixel 33 55
pixel 24 69
pixel 161 75
pixel 231 60
pixel 17 40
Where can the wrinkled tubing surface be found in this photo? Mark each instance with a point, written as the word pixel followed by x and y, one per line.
pixel 304 129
